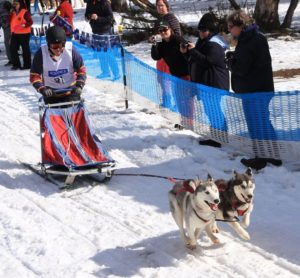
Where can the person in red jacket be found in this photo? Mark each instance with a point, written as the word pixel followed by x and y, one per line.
pixel 20 26
pixel 65 11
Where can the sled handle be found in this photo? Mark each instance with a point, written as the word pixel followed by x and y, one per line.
pixel 61 91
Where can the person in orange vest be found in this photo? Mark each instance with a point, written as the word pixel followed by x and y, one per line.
pixel 65 11
pixel 20 26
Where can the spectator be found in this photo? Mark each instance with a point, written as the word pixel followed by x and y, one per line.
pixel 168 49
pixel 163 10
pixel 5 8
pixel 20 26
pixel 26 5
pixel 58 65
pixel 207 66
pixel 251 72
pixel 100 16
pixel 65 11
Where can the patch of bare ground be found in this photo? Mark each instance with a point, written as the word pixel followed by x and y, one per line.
pixel 286 73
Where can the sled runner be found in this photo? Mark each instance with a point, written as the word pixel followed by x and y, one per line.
pixel 69 145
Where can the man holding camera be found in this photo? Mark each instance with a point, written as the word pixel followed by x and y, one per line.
pixel 207 66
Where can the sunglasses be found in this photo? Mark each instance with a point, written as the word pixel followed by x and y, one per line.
pixel 161 30
pixel 57 46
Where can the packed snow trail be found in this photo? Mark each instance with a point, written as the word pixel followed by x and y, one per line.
pixel 123 228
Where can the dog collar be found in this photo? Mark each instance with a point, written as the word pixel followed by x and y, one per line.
pixel 204 220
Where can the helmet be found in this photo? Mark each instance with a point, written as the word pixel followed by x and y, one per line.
pixel 55 34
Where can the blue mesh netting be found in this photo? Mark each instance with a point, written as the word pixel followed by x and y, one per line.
pixel 214 113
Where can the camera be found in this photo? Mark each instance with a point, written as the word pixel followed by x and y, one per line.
pixel 157 38
pixel 183 42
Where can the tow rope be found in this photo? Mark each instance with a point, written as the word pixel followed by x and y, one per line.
pixel 145 175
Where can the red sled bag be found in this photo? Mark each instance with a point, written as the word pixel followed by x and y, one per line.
pixel 67 139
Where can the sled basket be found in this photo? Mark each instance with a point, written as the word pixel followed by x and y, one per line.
pixel 68 141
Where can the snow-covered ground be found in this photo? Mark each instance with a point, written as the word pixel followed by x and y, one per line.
pixel 124 228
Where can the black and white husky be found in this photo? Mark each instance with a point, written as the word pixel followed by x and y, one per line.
pixel 236 201
pixel 193 204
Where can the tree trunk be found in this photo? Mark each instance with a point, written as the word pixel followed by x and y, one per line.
pixel 266 14
pixel 289 15
pixel 234 4
pixel 146 6
pixel 119 5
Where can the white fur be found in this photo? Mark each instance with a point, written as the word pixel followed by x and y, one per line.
pixel 185 205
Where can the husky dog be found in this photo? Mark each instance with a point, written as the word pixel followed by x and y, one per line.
pixel 193 204
pixel 236 200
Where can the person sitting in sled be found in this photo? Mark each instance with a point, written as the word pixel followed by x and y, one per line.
pixel 57 66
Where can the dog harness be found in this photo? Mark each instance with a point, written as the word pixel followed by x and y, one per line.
pixel 204 220
pixel 185 186
pixel 236 204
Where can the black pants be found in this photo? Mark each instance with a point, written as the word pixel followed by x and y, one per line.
pixel 22 40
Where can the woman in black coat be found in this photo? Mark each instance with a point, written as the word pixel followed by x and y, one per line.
pixel 169 50
pixel 251 72
pixel 207 66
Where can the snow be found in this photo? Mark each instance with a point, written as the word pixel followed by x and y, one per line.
pixel 124 228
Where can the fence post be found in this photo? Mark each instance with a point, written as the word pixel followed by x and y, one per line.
pixel 120 31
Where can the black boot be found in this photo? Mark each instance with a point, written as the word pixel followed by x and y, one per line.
pixel 210 142
pixel 276 162
pixel 254 163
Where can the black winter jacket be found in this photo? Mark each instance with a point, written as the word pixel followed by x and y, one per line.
pixel 251 65
pixel 207 63
pixel 170 52
pixel 102 8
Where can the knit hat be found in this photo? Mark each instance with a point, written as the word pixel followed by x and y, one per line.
pixel 208 22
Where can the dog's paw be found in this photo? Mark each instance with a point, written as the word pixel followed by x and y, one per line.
pixel 216 241
pixel 191 246
pixel 245 235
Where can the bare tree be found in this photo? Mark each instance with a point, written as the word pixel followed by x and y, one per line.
pixel 234 4
pixel 119 5
pixel 266 14
pixel 146 6
pixel 289 15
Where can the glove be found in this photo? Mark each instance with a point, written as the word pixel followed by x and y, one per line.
pixel 229 59
pixel 77 91
pixel 229 55
pixel 47 92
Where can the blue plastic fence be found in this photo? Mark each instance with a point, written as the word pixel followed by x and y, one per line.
pixel 255 123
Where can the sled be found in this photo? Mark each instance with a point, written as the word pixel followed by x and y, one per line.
pixel 69 145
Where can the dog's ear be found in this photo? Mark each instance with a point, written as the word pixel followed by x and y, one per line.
pixel 196 182
pixel 193 184
pixel 235 174
pixel 249 172
pixel 209 177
